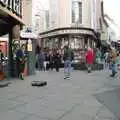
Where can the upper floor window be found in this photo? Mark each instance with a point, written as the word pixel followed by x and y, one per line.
pixel 76 12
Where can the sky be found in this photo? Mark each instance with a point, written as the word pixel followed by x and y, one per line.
pixel 112 8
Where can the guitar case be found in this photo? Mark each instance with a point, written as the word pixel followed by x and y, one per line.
pixel 39 83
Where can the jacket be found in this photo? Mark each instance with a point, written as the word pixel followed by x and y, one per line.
pixel 89 57
pixel 68 55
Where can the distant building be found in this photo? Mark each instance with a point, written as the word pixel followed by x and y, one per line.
pixel 27 12
pixel 73 22
pixel 104 26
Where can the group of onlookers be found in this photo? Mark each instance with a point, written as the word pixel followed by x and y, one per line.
pixel 54 59
pixel 48 60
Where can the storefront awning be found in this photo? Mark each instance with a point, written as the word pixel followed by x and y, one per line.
pixel 7 20
pixel 28 35
pixel 104 43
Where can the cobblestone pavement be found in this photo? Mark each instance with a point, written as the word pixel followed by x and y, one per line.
pixel 75 99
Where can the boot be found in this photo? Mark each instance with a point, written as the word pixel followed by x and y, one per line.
pixel 21 77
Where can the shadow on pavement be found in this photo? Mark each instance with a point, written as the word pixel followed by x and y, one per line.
pixel 111 99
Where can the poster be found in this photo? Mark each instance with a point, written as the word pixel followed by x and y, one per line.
pixel 29 47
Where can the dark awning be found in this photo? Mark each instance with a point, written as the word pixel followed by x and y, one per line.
pixel 104 43
pixel 7 20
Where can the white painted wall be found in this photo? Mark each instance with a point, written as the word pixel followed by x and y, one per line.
pixel 27 12
pixel 61 13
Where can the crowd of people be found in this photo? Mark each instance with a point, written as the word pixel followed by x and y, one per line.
pixel 54 59
pixel 110 59
pixel 48 60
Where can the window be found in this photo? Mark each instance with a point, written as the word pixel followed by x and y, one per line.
pixel 76 12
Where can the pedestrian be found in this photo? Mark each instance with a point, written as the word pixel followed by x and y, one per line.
pixel 41 59
pixel 106 59
pixel 98 56
pixel 89 59
pixel 1 65
pixel 51 61
pixel 57 60
pixel 118 60
pixel 113 59
pixel 20 60
pixel 68 57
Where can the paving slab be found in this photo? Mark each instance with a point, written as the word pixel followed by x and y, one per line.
pixel 73 99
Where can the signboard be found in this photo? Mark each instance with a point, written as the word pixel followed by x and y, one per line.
pixel 15 5
pixel 5 2
pixel 29 46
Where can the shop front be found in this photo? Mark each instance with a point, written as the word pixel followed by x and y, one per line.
pixel 77 38
pixel 29 40
pixel 10 23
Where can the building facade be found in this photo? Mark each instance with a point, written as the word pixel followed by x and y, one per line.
pixel 10 23
pixel 74 23
pixel 27 12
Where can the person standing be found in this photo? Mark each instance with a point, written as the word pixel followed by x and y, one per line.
pixel 113 60
pixel 51 61
pixel 41 59
pixel 98 56
pixel 20 60
pixel 57 59
pixel 106 60
pixel 68 57
pixel 89 59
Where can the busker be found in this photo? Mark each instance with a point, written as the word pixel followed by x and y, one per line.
pixel 20 59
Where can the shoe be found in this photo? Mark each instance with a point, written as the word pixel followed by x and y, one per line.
pixel 112 75
pixel 21 77
pixel 68 78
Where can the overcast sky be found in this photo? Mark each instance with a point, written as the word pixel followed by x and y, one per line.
pixel 112 8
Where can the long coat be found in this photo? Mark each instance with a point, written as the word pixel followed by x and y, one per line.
pixel 89 57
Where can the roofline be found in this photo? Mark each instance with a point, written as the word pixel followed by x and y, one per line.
pixel 67 28
pixel 102 12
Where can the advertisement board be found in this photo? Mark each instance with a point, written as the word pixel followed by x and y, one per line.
pixel 14 5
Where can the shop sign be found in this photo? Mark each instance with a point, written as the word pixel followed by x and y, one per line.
pixel 5 2
pixel 14 5
pixel 29 46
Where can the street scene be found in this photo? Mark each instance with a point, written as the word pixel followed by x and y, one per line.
pixel 59 60
pixel 86 96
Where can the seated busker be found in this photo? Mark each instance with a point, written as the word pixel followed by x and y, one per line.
pixel 20 59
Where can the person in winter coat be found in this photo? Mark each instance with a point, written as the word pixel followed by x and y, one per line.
pixel 89 59
pixel 57 60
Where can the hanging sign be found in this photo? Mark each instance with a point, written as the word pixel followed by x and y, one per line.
pixel 29 46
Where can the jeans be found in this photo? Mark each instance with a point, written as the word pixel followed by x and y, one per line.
pixel 113 68
pixel 89 67
pixel 67 67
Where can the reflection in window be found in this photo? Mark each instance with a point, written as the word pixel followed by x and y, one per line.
pixel 76 12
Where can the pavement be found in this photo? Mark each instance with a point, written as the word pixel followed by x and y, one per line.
pixel 85 96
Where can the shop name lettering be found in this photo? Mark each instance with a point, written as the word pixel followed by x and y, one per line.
pixel 12 4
